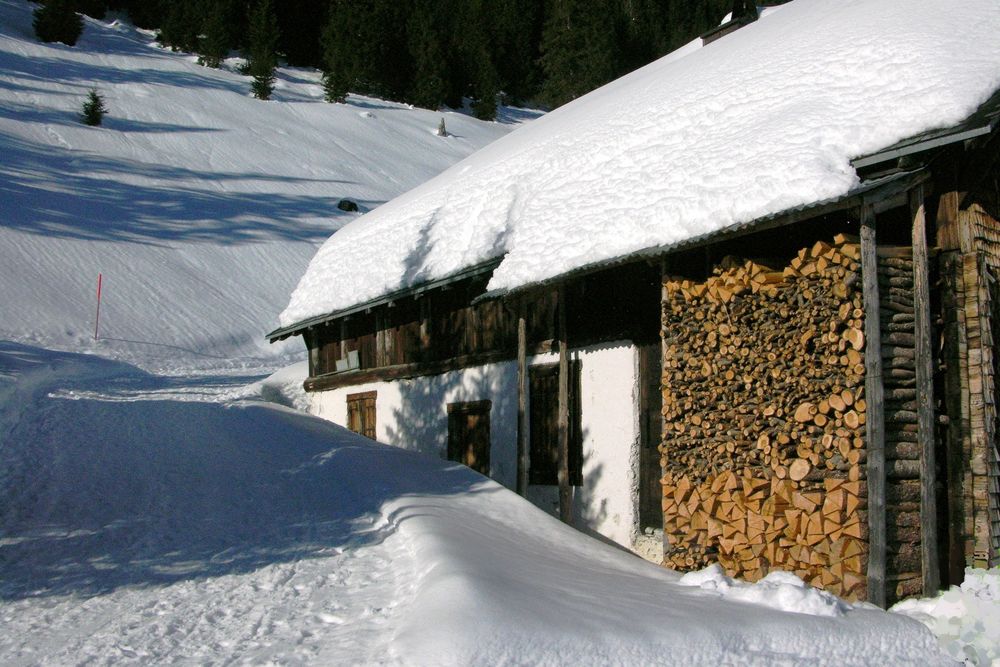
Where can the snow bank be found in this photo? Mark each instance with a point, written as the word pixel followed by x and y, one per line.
pixel 765 119
pixel 200 205
pixel 778 590
pixel 146 522
pixel 966 618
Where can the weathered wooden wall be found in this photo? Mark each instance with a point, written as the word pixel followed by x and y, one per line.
pixel 902 447
pixel 970 267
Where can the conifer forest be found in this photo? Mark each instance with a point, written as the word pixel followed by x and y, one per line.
pixel 433 52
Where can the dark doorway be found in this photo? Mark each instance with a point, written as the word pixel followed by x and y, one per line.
pixel 544 415
pixel 650 433
pixel 469 435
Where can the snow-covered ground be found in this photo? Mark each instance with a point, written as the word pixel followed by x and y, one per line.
pixel 150 520
pixel 154 510
pixel 200 205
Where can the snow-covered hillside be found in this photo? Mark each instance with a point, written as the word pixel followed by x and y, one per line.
pixel 200 205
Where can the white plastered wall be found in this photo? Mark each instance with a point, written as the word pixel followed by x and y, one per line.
pixel 413 414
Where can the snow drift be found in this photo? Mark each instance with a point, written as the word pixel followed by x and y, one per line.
pixel 146 522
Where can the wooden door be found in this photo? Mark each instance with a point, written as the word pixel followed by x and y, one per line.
pixel 469 435
pixel 543 411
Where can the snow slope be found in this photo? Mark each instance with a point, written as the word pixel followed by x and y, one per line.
pixel 765 119
pixel 200 205
pixel 146 520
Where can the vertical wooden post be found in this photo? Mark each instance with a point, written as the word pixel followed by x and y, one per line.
pixel 925 396
pixel 875 416
pixel 523 451
pixel 565 498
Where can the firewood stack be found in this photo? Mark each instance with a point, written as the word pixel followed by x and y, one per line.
pixel 764 417
pixel 895 268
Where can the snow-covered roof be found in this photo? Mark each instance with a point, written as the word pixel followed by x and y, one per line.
pixel 766 119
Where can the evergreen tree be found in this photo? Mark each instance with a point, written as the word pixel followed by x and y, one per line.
pixel 337 63
pixel 57 21
pixel 516 26
pixel 181 26
pixel 213 46
pixel 93 109
pixel 578 49
pixel 262 44
pixel 301 24
pixel 427 87
pixel 94 8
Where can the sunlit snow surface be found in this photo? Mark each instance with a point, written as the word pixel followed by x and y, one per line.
pixel 200 205
pixel 761 120
pixel 151 520
pixel 965 618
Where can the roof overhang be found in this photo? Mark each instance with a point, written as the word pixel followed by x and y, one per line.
pixel 984 121
pixel 883 193
pixel 412 291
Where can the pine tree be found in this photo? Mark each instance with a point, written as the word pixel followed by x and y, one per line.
pixel 57 21
pixel 578 49
pixel 213 46
pixel 181 26
pixel 93 109
pixel 262 44
pixel 337 64
pixel 515 26
pixel 427 87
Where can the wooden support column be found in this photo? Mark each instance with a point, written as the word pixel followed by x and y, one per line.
pixel 875 416
pixel 523 450
pixel 925 397
pixel 565 497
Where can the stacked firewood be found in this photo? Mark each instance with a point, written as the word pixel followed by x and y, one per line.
pixel 764 412
pixel 902 449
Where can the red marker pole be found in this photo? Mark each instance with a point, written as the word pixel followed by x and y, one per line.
pixel 97 320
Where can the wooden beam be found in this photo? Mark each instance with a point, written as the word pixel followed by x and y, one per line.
pixel 523 451
pixel 565 496
pixel 925 397
pixel 948 237
pixel 875 417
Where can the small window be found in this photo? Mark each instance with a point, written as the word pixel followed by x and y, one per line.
pixel 361 413
pixel 469 435
pixel 544 414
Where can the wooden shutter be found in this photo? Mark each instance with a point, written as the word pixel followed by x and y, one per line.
pixel 361 413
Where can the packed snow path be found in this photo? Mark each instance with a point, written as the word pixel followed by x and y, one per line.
pixel 151 520
pixel 142 528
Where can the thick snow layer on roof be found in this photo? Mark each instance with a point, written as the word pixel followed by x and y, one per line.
pixel 765 119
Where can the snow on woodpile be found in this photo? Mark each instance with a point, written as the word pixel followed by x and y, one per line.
pixel 765 119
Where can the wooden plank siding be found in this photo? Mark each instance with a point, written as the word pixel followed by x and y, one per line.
pixel 447 328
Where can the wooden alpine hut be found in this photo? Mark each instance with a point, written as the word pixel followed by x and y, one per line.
pixel 736 307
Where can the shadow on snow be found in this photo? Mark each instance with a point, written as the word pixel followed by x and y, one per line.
pixel 101 494
pixel 64 193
